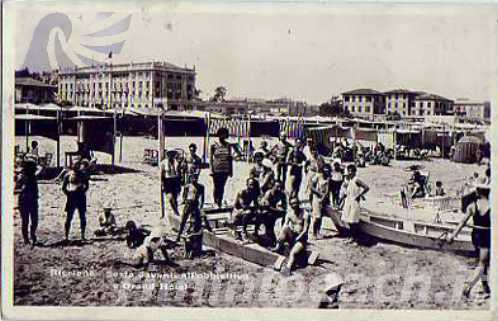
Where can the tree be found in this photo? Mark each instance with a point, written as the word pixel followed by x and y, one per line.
pixel 219 94
pixel 333 108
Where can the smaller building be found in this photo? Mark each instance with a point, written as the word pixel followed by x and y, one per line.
pixel 432 105
pixel 29 90
pixel 472 109
pixel 364 103
pixel 258 107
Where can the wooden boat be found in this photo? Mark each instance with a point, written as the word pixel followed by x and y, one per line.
pixel 415 233
pixel 221 238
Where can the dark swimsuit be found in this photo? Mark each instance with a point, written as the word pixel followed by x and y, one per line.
pixel 481 237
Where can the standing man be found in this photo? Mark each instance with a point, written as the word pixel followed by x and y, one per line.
pixel 296 161
pixel 315 162
pixel 280 153
pixel 192 164
pixel 221 164
pixel 171 179
pixel 75 185
pixel 27 188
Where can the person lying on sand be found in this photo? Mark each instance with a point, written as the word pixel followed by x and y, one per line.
pixel 294 232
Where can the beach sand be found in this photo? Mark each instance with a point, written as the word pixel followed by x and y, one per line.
pixel 380 275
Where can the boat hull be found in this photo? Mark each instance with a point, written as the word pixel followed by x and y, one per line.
pixel 417 234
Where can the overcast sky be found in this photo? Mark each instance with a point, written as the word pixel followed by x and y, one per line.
pixel 309 56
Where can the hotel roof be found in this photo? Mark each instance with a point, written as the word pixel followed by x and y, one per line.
pixel 362 91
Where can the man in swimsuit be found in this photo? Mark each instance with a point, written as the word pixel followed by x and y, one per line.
pixel 294 232
pixel 262 173
pixel 274 205
pixel 246 207
pixel 296 161
pixel 75 185
pixel 280 153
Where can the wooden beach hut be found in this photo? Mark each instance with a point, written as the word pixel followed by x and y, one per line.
pixel 467 150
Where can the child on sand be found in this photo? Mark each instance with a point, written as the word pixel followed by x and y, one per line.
pixel 193 198
pixel 107 223
pixel 439 189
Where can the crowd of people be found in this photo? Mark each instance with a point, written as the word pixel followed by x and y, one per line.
pixel 290 182
pixel 314 186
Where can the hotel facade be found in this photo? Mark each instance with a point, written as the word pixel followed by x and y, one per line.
pixel 133 85
pixel 364 102
pixel 368 103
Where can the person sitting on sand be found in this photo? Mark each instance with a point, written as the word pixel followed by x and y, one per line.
pixel 192 164
pixel 274 205
pixel 417 185
pixel 193 199
pixel 171 179
pixel 294 232
pixel 356 189
pixel 157 240
pixel 246 207
pixel 480 211
pixel 296 161
pixel 262 173
pixel 439 189
pixel 320 189
pixel 107 223
pixel 75 185
pixel 135 234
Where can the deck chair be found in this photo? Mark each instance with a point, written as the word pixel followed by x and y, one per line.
pixel 151 157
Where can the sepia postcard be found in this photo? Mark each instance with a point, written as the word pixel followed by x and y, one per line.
pixel 250 160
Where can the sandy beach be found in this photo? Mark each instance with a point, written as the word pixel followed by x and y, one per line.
pixel 379 275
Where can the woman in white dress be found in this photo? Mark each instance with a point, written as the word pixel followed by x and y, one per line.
pixel 354 194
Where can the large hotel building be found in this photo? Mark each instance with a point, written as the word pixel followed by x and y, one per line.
pixel 133 85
